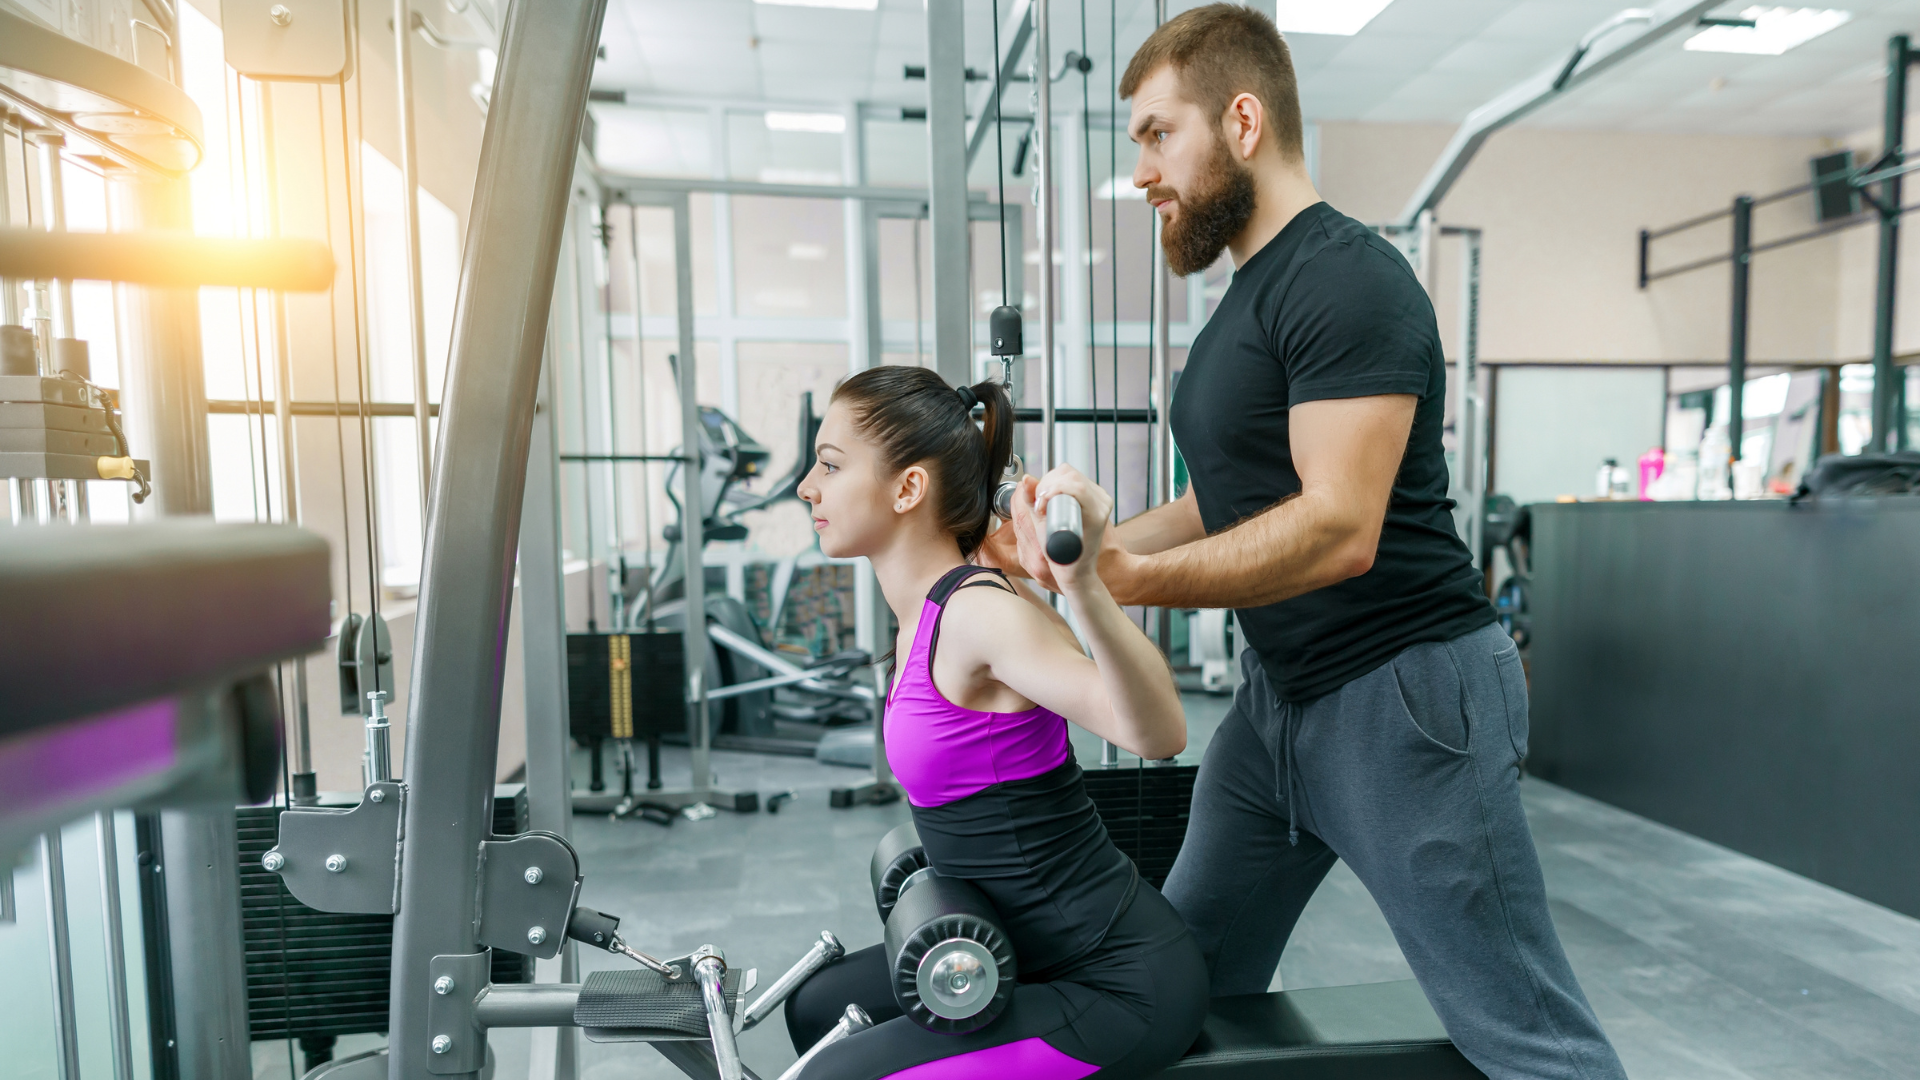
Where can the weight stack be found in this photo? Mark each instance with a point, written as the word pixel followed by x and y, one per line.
pixel 625 686
pixel 1145 811
pixel 329 974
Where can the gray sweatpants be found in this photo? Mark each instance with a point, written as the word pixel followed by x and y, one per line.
pixel 1411 774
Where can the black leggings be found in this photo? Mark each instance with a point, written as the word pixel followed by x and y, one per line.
pixel 1124 1013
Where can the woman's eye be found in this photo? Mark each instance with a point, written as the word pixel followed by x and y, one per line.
pixel 1159 136
pixel 830 468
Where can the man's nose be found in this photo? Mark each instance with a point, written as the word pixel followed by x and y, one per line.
pixel 1144 174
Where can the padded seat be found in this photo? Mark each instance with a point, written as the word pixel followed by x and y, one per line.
pixel 1378 1031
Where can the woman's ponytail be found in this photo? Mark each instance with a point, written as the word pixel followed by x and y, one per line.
pixel 916 418
pixel 996 436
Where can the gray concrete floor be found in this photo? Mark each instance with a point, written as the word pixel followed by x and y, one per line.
pixel 1703 964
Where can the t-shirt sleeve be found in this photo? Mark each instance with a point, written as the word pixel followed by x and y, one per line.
pixel 1354 323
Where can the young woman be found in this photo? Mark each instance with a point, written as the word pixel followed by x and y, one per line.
pixel 1111 985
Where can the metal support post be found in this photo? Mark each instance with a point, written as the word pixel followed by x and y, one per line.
pixel 66 1036
pixel 1045 206
pixel 862 348
pixel 1886 391
pixel 947 190
pixel 300 746
pixel 205 970
pixel 500 327
pixel 9 287
pixel 1737 340
pixel 1469 472
pixel 1426 241
pixel 1161 454
pixel 53 211
pixel 416 309
pixel 693 529
pixel 203 916
pixel 160 346
pixel 1074 386
pixel 118 1028
pixel 870 255
pixel 543 638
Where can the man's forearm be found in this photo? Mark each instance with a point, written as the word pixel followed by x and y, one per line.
pixel 1165 526
pixel 1295 547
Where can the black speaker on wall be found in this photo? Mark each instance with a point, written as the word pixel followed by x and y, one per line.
pixel 1834 196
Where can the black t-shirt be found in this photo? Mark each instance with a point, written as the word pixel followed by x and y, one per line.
pixel 1328 309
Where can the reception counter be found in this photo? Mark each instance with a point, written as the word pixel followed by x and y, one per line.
pixel 1747 672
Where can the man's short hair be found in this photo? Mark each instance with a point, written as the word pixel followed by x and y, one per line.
pixel 1219 52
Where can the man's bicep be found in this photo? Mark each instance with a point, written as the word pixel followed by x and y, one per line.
pixel 1350 448
pixel 1358 325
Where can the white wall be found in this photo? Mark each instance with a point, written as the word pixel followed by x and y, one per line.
pixel 1561 212
pixel 1554 426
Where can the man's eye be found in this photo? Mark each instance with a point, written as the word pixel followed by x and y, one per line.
pixel 1159 136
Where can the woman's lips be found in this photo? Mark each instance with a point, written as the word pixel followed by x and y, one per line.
pixel 819 523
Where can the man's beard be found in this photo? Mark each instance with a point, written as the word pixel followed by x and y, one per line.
pixel 1212 213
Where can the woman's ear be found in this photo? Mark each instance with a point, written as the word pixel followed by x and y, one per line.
pixel 910 490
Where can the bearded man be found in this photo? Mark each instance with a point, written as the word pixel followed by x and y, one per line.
pixel 1383 715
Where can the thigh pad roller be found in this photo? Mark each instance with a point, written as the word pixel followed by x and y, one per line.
pixel 951 962
pixel 896 858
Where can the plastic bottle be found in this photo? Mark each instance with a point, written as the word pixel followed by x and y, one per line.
pixel 1653 465
pixel 1603 480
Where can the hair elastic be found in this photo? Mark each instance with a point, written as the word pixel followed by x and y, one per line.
pixel 967 398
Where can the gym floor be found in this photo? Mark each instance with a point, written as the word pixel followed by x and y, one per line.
pixel 1703 964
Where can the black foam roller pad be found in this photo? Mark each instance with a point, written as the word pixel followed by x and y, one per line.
pixel 936 911
pixel 895 858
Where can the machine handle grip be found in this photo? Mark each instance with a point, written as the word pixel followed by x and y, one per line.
pixel 855 1020
pixel 825 951
pixel 1064 530
pixel 709 969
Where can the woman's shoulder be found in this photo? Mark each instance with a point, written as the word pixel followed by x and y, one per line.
pixel 988 617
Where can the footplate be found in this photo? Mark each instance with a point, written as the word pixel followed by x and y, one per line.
pixel 637 1005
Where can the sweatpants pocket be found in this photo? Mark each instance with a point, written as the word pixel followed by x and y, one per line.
pixel 1513 687
pixel 1434 699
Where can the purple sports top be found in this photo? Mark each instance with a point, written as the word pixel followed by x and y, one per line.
pixel 941 752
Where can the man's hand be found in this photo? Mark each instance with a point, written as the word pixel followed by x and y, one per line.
pixel 1031 547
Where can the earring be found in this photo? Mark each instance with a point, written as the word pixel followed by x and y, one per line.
pixel 899 506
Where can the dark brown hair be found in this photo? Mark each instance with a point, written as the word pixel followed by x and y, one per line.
pixel 915 418
pixel 1220 51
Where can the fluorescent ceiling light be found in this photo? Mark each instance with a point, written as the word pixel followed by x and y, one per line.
pixel 774 175
pixel 844 5
pixel 1344 17
pixel 1774 31
pixel 824 123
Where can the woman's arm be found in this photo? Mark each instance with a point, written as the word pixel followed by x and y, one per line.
pixel 1125 694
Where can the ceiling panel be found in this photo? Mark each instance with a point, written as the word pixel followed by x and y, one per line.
pixel 1426 60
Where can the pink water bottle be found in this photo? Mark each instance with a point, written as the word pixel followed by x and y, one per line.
pixel 1652 464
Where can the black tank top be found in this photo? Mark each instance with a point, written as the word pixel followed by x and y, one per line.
pixel 1039 851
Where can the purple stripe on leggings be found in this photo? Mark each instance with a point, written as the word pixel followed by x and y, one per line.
pixel 1028 1059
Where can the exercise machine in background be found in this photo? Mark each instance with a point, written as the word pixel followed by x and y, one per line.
pixel 761 698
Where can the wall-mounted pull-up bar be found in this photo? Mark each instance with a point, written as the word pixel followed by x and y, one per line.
pixel 1884 207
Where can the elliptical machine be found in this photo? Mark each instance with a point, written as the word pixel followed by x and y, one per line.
pixel 746 672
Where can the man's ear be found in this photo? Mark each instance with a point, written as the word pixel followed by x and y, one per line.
pixel 911 488
pixel 1245 122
